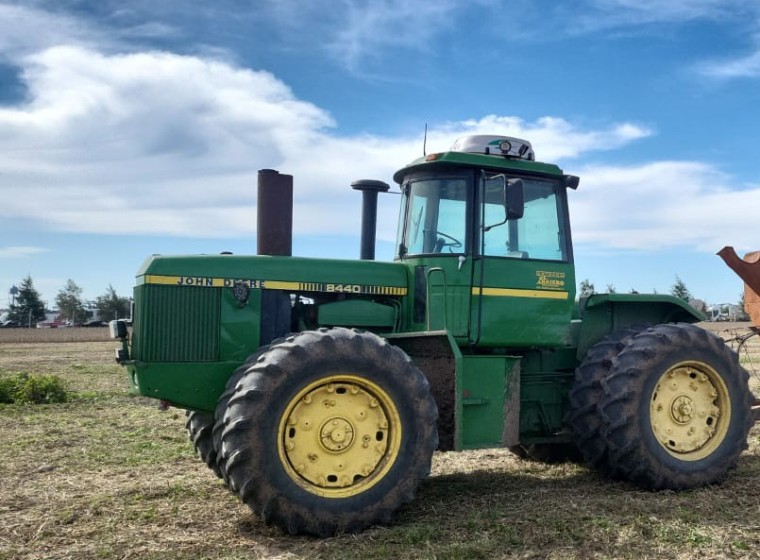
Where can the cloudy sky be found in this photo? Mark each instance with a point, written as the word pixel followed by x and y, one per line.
pixel 133 128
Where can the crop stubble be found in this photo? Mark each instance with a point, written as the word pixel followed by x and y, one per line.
pixel 108 475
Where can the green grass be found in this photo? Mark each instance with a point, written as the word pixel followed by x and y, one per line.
pixel 109 476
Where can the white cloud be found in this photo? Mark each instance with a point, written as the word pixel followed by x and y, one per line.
pixel 741 67
pixel 553 138
pixel 356 34
pixel 636 15
pixel 389 24
pixel 20 252
pixel 663 11
pixel 664 205
pixel 24 30
pixel 159 143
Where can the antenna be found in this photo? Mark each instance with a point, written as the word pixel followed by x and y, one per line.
pixel 424 143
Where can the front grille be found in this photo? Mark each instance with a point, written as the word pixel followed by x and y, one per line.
pixel 176 324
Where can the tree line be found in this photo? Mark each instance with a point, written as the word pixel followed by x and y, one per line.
pixel 679 289
pixel 28 309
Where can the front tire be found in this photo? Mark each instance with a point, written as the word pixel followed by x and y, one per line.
pixel 330 431
pixel 199 426
pixel 677 408
pixel 221 408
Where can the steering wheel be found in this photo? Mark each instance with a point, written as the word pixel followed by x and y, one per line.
pixel 446 240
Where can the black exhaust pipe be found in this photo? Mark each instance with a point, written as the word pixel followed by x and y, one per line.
pixel 369 189
pixel 274 214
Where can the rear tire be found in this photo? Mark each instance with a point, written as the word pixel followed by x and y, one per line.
pixel 585 418
pixel 331 431
pixel 677 408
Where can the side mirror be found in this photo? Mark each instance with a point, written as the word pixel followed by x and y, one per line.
pixel 571 181
pixel 514 199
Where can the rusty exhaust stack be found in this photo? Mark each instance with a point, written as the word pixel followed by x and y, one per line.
pixel 274 211
pixel 369 189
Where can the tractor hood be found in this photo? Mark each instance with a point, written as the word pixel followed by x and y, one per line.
pixel 276 273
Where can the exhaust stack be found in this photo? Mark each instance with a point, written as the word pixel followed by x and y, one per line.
pixel 274 214
pixel 369 189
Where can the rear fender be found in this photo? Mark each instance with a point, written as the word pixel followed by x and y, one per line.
pixel 602 314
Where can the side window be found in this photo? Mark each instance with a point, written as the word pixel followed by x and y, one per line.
pixel 436 221
pixel 539 234
pixel 495 226
pixel 416 225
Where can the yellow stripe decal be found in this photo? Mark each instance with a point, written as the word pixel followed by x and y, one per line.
pixel 513 292
pixel 209 282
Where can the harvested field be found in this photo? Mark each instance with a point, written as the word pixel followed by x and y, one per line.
pixel 109 476
pixel 68 334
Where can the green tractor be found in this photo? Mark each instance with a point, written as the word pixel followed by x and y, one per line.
pixel 318 390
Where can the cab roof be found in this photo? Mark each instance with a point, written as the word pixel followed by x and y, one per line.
pixel 484 151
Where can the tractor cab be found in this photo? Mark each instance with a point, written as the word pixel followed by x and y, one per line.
pixel 485 231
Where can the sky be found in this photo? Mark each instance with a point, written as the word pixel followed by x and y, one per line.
pixel 135 128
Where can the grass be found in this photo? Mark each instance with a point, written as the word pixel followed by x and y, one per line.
pixel 109 476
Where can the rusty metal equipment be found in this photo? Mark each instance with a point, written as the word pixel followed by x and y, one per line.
pixel 748 269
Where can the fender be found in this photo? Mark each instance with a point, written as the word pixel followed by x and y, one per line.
pixel 602 314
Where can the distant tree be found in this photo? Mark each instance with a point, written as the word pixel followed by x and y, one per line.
pixel 69 302
pixel 586 288
pixel 112 306
pixel 611 289
pixel 29 308
pixel 680 290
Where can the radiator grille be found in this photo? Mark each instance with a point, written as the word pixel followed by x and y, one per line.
pixel 176 324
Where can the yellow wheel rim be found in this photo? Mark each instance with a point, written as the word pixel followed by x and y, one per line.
pixel 339 436
pixel 690 410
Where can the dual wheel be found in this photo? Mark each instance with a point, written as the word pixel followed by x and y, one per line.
pixel 664 407
pixel 323 432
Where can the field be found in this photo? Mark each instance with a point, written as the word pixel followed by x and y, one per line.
pixel 109 476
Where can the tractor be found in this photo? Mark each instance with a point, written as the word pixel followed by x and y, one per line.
pixel 318 390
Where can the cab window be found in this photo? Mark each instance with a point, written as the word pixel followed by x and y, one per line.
pixel 539 234
pixel 436 219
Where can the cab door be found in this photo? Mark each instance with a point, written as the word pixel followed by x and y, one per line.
pixel 523 281
pixel 437 244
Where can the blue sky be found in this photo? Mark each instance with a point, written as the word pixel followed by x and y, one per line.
pixel 133 128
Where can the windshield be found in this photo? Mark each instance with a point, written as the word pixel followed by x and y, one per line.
pixel 436 219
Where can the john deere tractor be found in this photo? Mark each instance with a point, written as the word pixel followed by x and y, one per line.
pixel 318 390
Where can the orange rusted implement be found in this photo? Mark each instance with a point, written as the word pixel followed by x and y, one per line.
pixel 748 269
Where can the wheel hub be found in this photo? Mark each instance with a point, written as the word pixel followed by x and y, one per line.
pixel 683 410
pixel 339 436
pixel 336 434
pixel 689 410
